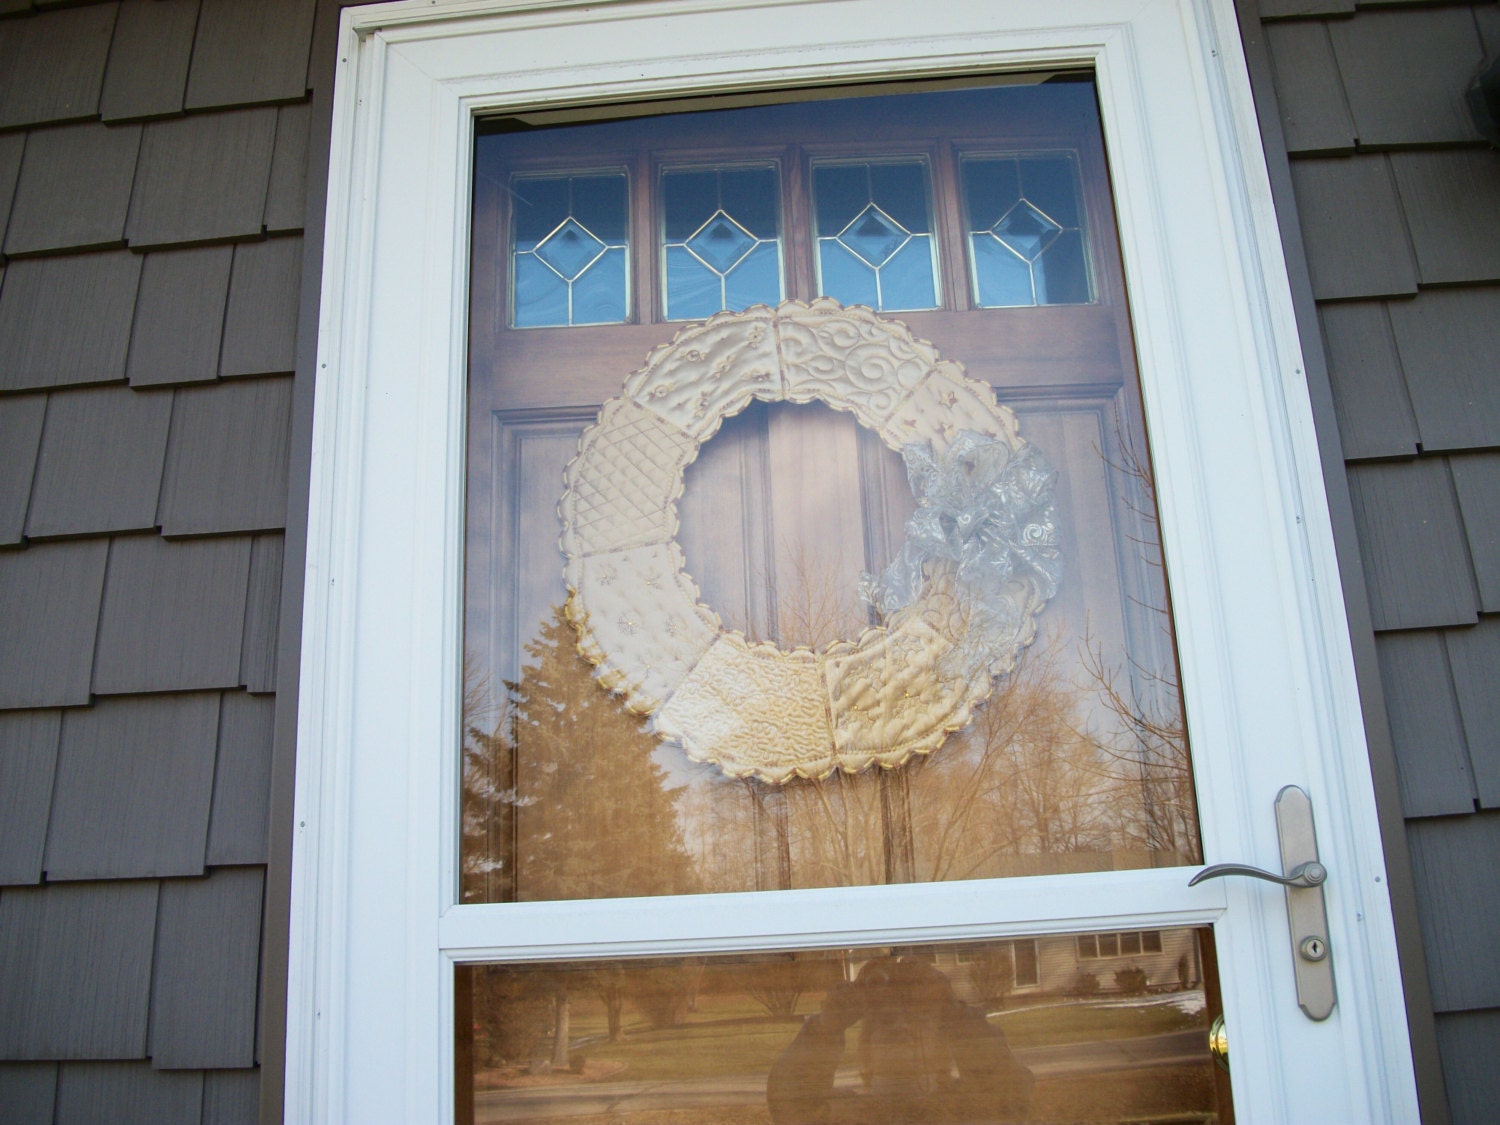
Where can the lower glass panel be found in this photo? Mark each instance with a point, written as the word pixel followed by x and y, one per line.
pixel 1053 1028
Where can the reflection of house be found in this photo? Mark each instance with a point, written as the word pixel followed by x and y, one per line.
pixel 1062 964
pixel 160 163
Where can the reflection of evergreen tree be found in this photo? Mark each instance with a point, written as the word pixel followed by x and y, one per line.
pixel 594 815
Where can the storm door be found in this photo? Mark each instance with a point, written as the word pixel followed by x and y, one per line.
pixel 812 543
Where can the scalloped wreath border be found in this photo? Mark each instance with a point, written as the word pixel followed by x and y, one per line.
pixel 754 709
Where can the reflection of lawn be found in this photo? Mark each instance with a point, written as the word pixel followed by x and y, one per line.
pixel 1084 1023
pixel 727 1035
pixel 732 1035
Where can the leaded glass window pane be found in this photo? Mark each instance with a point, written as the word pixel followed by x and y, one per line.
pixel 874 232
pixel 721 239
pixel 1025 231
pixel 570 243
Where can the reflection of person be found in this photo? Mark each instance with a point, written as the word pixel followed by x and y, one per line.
pixel 925 1057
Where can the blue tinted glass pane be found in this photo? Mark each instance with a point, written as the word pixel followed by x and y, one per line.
pixel 1026 230
pixel 688 199
pixel 599 204
pixel 541 296
pixel 756 280
pixel 841 192
pixel 692 288
pixel 844 277
pixel 1048 182
pixel 721 243
pixel 990 189
pixel 569 249
pixel 539 206
pixel 907 280
pixel 599 295
pixel 752 197
pixel 901 191
pixel 874 237
pixel 1003 279
pixel 1062 276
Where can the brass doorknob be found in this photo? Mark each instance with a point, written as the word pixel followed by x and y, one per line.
pixel 1218 1043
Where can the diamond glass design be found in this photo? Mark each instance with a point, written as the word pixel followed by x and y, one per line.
pixel 569 250
pixel 1025 230
pixel 874 236
pixel 1036 252
pixel 721 239
pixel 873 224
pixel 721 243
pixel 570 238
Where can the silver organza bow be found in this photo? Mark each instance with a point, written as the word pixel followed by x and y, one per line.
pixel 983 507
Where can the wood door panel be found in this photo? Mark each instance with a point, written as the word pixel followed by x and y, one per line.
pixel 522 585
pixel 1021 352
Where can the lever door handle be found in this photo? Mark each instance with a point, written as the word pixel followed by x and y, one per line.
pixel 1306 914
pixel 1309 874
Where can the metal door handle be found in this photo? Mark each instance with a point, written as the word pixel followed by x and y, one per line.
pixel 1310 874
pixel 1306 914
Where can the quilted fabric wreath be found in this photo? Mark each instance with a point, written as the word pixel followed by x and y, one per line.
pixel 980 559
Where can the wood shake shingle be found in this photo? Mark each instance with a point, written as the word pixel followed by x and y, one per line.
pixel 124 213
pixel 148 59
pixel 99 468
pixel 179 317
pixel 133 789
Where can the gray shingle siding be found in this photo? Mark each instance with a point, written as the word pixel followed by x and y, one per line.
pixel 179 317
pixel 148 59
pixel 147 150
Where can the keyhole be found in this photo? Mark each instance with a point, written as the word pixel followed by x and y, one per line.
pixel 1313 949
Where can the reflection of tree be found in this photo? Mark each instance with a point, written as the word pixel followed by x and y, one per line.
pixel 1077 761
pixel 570 771
pixel 1020 780
pixel 992 973
pixel 1146 756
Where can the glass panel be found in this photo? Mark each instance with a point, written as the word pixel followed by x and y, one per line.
pixel 721 240
pixel 568 250
pixel 1024 720
pixel 915 1035
pixel 1025 231
pixel 1028 968
pixel 874 232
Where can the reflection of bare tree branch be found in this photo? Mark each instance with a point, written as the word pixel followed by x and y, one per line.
pixel 1147 756
pixel 1077 761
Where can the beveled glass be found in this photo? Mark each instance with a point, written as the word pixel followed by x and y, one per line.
pixel 721 244
pixel 874 234
pixel 569 250
pixel 1025 231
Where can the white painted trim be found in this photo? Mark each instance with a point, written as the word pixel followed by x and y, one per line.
pixel 1268 673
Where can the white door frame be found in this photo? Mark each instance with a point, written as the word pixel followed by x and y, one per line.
pixel 1268 675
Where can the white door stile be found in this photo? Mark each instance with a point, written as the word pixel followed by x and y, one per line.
pixel 1268 677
